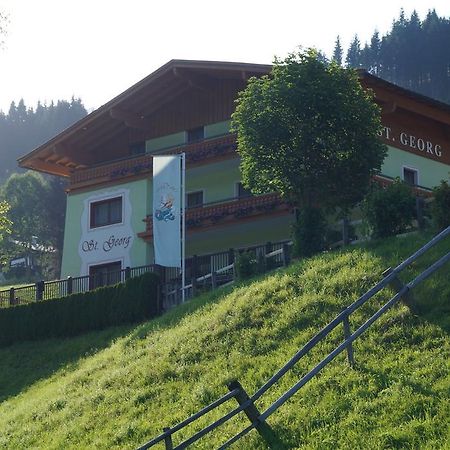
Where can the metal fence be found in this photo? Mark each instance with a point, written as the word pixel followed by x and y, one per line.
pixel 218 269
pixel 202 272
pixel 47 290
pixel 247 404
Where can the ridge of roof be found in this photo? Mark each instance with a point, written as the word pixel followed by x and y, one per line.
pixel 173 63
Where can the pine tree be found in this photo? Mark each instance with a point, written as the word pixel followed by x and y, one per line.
pixel 353 58
pixel 338 52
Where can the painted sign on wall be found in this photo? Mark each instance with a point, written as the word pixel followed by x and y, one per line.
pixel 106 231
pixel 411 141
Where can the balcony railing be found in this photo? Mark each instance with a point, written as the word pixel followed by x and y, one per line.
pixel 228 211
pixel 196 154
pixel 418 191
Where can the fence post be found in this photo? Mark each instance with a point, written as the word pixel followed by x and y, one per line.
pixel 12 299
pixel 397 285
pixel 194 286
pixel 419 213
pixel 231 261
pixel 168 440
pixel 213 280
pixel 69 285
pixel 40 287
pixel 99 280
pixel 194 267
pixel 345 223
pixel 285 255
pixel 347 333
pixel 252 413
pixel 127 273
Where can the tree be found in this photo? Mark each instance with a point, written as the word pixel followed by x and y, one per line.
pixel 412 54
pixel 5 225
pixel 353 58
pixel 308 131
pixel 37 211
pixel 23 128
pixel 338 52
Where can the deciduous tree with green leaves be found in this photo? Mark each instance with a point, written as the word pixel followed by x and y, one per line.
pixel 5 225
pixel 308 130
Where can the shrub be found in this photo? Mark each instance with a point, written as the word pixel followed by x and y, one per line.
pixel 440 208
pixel 390 210
pixel 132 301
pixel 246 265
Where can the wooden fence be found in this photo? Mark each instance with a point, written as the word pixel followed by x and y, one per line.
pixel 247 404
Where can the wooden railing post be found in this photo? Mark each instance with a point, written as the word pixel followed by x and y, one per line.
pixel 194 267
pixel 397 285
pixel 347 334
pixel 168 440
pixel 69 285
pixel 285 255
pixel 231 257
pixel 252 413
pixel 213 280
pixel 40 287
pixel 194 286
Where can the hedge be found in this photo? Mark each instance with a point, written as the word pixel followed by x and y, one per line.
pixel 133 301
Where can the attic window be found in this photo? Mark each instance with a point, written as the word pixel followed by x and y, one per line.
pixel 410 176
pixel 195 134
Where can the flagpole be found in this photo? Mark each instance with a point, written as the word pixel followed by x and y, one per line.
pixel 183 227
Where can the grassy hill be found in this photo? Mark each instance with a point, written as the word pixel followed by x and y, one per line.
pixel 120 387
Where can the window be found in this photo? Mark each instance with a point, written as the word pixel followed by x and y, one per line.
pixel 242 192
pixel 194 199
pixel 106 212
pixel 105 274
pixel 410 176
pixel 195 134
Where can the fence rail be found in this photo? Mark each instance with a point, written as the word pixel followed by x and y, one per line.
pixel 247 404
pixel 218 270
pixel 47 290
pixel 205 271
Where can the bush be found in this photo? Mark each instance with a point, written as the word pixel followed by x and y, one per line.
pixel 440 208
pixel 309 232
pixel 246 265
pixel 390 210
pixel 129 302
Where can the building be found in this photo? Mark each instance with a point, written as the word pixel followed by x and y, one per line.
pixel 186 106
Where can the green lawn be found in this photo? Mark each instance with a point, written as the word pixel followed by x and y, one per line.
pixel 120 387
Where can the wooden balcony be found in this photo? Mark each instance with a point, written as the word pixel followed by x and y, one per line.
pixel 203 152
pixel 227 212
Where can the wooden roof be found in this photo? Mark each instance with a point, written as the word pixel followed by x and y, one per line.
pixel 80 145
pixel 73 148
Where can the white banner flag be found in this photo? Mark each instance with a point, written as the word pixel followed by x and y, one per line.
pixel 167 210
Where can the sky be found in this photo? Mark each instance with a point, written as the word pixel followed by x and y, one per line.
pixel 95 49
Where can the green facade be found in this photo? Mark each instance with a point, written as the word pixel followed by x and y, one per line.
pixel 139 192
pixel 430 172
pixel 218 182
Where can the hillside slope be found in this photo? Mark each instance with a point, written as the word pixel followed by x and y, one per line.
pixel 120 387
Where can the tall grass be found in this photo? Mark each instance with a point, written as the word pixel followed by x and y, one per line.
pixel 120 387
